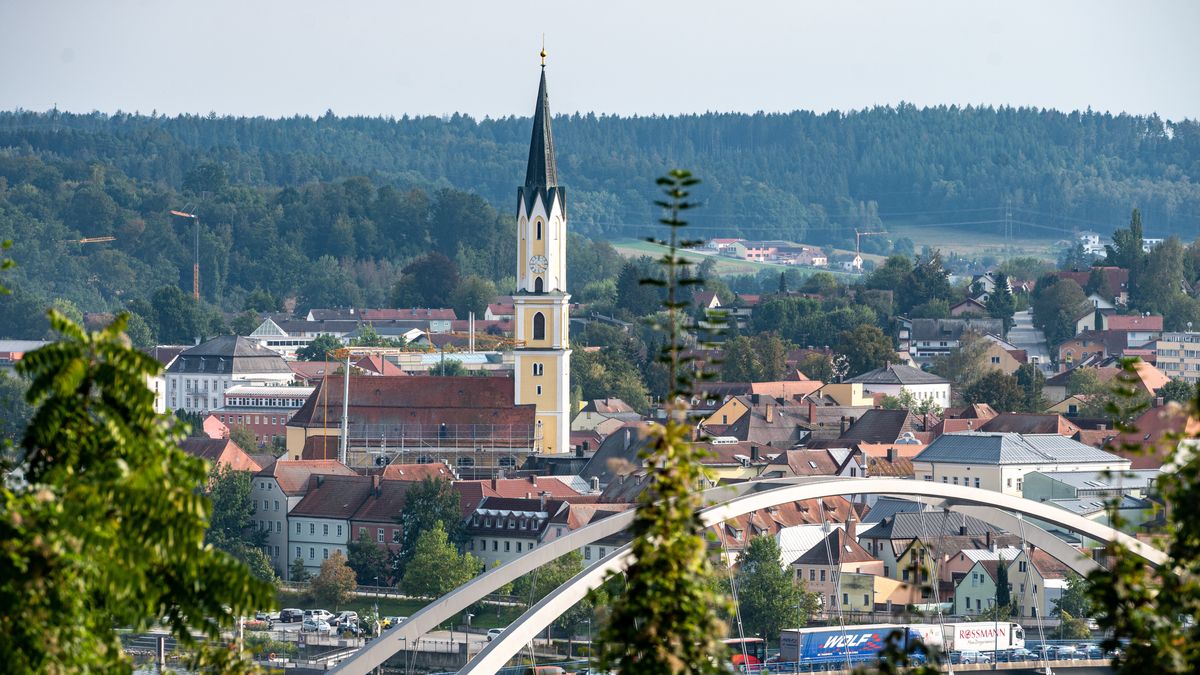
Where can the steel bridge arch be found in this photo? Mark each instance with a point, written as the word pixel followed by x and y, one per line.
pixel 726 502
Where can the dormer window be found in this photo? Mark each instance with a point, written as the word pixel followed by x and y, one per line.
pixel 512 524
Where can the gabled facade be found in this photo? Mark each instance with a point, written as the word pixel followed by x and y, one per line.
pixel 275 491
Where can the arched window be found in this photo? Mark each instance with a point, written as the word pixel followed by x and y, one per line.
pixel 538 226
pixel 537 285
pixel 539 326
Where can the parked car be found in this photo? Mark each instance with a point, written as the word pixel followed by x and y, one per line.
pixel 1022 655
pixel 545 670
pixel 346 617
pixel 391 621
pixel 321 614
pixel 494 633
pixel 1090 651
pixel 1062 653
pixel 968 657
pixel 316 626
pixel 291 615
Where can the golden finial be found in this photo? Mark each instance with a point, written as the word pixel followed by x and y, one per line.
pixel 543 52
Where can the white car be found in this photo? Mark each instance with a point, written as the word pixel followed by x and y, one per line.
pixel 316 626
pixel 321 614
pixel 347 617
pixel 494 633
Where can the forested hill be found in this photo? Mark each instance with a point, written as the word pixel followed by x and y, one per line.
pixel 799 176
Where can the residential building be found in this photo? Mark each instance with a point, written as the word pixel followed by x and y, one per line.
pixel 1115 289
pixel 1036 579
pixel 823 564
pixel 503 528
pixel 319 524
pixel 930 338
pixel 1138 328
pixel 758 419
pixel 12 351
pixel 893 380
pixel 1179 355
pixel 264 409
pixel 968 307
pixel 378 518
pixel 1003 355
pixel 165 355
pixel 196 381
pixel 1000 461
pixel 910 542
pixel 975 592
pixel 275 491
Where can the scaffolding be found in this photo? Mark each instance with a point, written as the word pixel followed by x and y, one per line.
pixel 474 450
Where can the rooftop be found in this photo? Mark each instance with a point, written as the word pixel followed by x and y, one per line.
pixel 898 374
pixel 1010 448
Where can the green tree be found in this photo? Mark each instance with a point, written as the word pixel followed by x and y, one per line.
pixel 996 389
pixel 335 584
pixel 866 348
pixel 472 294
pixel 666 620
pixel 243 436
pixel 298 573
pixel 436 567
pixel 1001 304
pixel 634 297
pixel 449 368
pixel 232 526
pixel 1071 627
pixel 762 358
pixel 1127 249
pixel 1032 382
pixel 260 300
pixel 428 281
pixel 96 460
pixel 319 348
pixel 1157 283
pixel 1177 390
pixel 431 501
pixel 369 337
pixel 15 411
pixel 1003 592
pixel 139 332
pixel 1057 303
pixel 1075 600
pixel 369 560
pixel 817 366
pixel 965 363
pixel 768 598
pixel 245 323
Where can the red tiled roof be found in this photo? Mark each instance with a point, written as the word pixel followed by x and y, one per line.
pixel 1116 279
pixel 1031 423
pixel 416 472
pixel 384 502
pixel 292 475
pixel 1135 322
pixel 377 364
pixel 836 549
pixel 524 488
pixel 220 451
pixel 333 496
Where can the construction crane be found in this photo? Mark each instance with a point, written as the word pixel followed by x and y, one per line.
pixel 88 240
pixel 858 239
pixel 196 265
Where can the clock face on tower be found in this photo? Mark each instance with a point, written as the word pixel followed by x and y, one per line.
pixel 537 264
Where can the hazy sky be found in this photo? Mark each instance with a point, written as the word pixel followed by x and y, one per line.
pixel 275 58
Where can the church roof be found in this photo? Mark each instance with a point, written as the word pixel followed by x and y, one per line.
pixel 542 171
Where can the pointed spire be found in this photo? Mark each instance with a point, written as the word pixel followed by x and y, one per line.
pixel 541 172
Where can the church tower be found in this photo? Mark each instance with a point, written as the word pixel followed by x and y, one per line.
pixel 543 357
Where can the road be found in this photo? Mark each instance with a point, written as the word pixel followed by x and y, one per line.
pixel 1024 336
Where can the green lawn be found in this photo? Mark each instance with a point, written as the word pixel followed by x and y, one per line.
pixel 967 242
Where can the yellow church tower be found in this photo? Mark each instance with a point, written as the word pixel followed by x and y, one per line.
pixel 543 357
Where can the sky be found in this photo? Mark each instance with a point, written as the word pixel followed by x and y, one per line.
pixel 275 58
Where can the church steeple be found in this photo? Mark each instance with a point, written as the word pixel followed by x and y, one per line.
pixel 541 172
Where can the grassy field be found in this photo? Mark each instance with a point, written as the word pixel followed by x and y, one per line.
pixel 634 248
pixel 971 244
pixel 485 618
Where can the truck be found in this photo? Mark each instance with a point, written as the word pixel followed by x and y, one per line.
pixel 861 643
pixel 853 643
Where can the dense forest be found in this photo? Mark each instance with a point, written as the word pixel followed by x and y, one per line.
pixel 331 211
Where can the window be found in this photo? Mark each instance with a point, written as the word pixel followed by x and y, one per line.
pixel 495 545
pixel 537 285
pixel 539 390
pixel 603 551
pixel 379 535
pixel 325 554
pixel 297 528
pixel 887 571
pixel 312 528
pixel 978 605
pixel 845 598
pixel 325 530
pixel 395 535
pixel 339 531
pixel 507 546
pixel 471 545
pixel 278 526
pixel 362 532
pixel 537 230
pixel 276 504
pixel 822 575
pixel 996 359
pixel 539 326
pixel 298 554
pixel 904 575
pixel 265 505
pixel 812 575
pixel 312 553
pixel 538 369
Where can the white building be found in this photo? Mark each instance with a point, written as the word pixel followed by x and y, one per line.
pixel 1000 461
pixel 196 381
pixel 319 524
pixel 275 491
pixel 895 379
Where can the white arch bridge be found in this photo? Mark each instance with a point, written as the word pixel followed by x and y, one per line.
pixel 1003 511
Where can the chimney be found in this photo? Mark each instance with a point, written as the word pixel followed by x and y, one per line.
pixel 845 423
pixel 962 529
pixel 533 480
pixel 320 480
pixel 542 500
pixel 987 540
pixel 580 449
pixel 754 453
pixel 595 484
pixel 852 527
pixel 770 413
pixel 496 483
pixel 812 412
pixel 375 484
pixel 754 399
